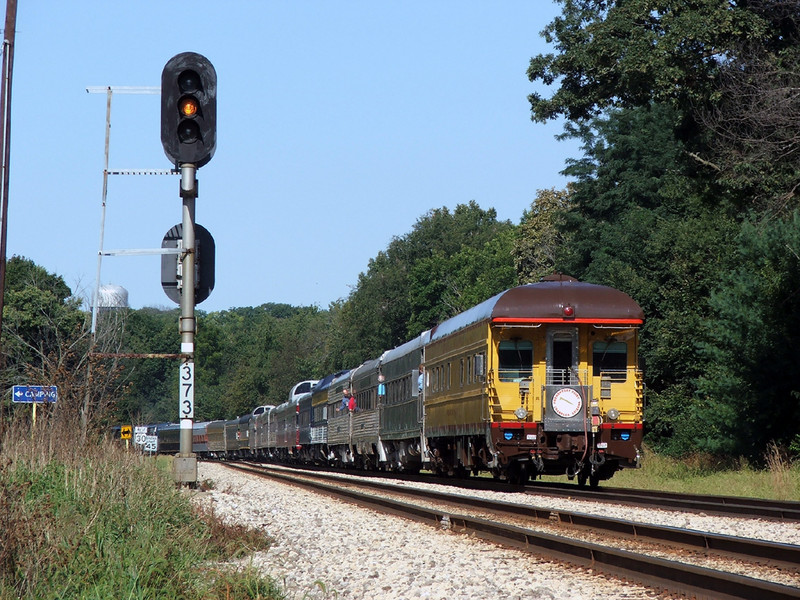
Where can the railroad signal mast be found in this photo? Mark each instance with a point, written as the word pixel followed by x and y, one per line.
pixel 189 137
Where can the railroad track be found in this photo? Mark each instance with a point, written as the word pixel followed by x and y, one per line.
pixel 710 505
pixel 673 576
pixel 725 506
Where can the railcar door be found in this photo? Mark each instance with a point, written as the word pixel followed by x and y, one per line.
pixel 565 388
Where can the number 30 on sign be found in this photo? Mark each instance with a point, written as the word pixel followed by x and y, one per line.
pixel 186 409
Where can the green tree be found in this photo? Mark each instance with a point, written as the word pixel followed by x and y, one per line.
pixel 41 318
pixel 731 71
pixel 443 285
pixel 245 357
pixel 750 395
pixel 687 112
pixel 754 130
pixel 151 383
pixel 633 53
pixel 253 356
pixel 448 262
pixel 540 236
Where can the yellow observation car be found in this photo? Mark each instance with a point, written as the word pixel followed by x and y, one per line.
pixel 540 379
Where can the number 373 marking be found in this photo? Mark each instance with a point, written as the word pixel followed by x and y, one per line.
pixel 187 390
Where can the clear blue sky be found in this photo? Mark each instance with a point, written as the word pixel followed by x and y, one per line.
pixel 340 124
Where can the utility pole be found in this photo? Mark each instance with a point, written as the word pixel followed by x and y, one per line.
pixel 9 34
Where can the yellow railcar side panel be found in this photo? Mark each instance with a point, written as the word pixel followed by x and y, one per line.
pixel 455 399
pixel 615 390
pixel 505 388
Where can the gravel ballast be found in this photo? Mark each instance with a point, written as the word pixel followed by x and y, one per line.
pixel 325 548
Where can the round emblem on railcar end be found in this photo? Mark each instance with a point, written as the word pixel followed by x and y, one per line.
pixel 567 403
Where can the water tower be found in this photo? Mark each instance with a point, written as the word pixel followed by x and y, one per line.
pixel 112 296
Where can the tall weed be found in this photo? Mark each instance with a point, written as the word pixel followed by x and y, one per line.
pixel 780 471
pixel 90 521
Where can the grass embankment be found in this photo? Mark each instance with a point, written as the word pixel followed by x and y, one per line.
pixel 102 523
pixel 778 480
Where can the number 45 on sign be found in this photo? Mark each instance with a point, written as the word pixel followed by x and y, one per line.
pixel 186 409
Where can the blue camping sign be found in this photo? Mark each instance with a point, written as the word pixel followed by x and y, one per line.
pixel 34 393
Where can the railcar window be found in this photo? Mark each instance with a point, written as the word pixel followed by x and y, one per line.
pixel 480 365
pixel 366 400
pixel 611 358
pixel 515 359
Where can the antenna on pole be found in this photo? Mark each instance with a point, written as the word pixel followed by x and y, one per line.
pixel 109 91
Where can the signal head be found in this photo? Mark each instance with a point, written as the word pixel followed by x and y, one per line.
pixel 189 109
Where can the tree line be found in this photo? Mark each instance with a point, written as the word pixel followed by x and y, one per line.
pixel 684 196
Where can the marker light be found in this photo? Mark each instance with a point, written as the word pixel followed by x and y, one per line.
pixel 568 311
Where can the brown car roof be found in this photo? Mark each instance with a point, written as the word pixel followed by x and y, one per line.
pixel 555 300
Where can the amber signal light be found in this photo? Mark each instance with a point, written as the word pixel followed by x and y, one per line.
pixel 188 106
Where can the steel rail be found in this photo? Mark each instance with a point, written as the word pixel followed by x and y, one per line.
pixel 672 576
pixel 755 508
pixel 716 505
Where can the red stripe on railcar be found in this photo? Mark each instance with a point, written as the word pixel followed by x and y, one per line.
pixel 520 320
